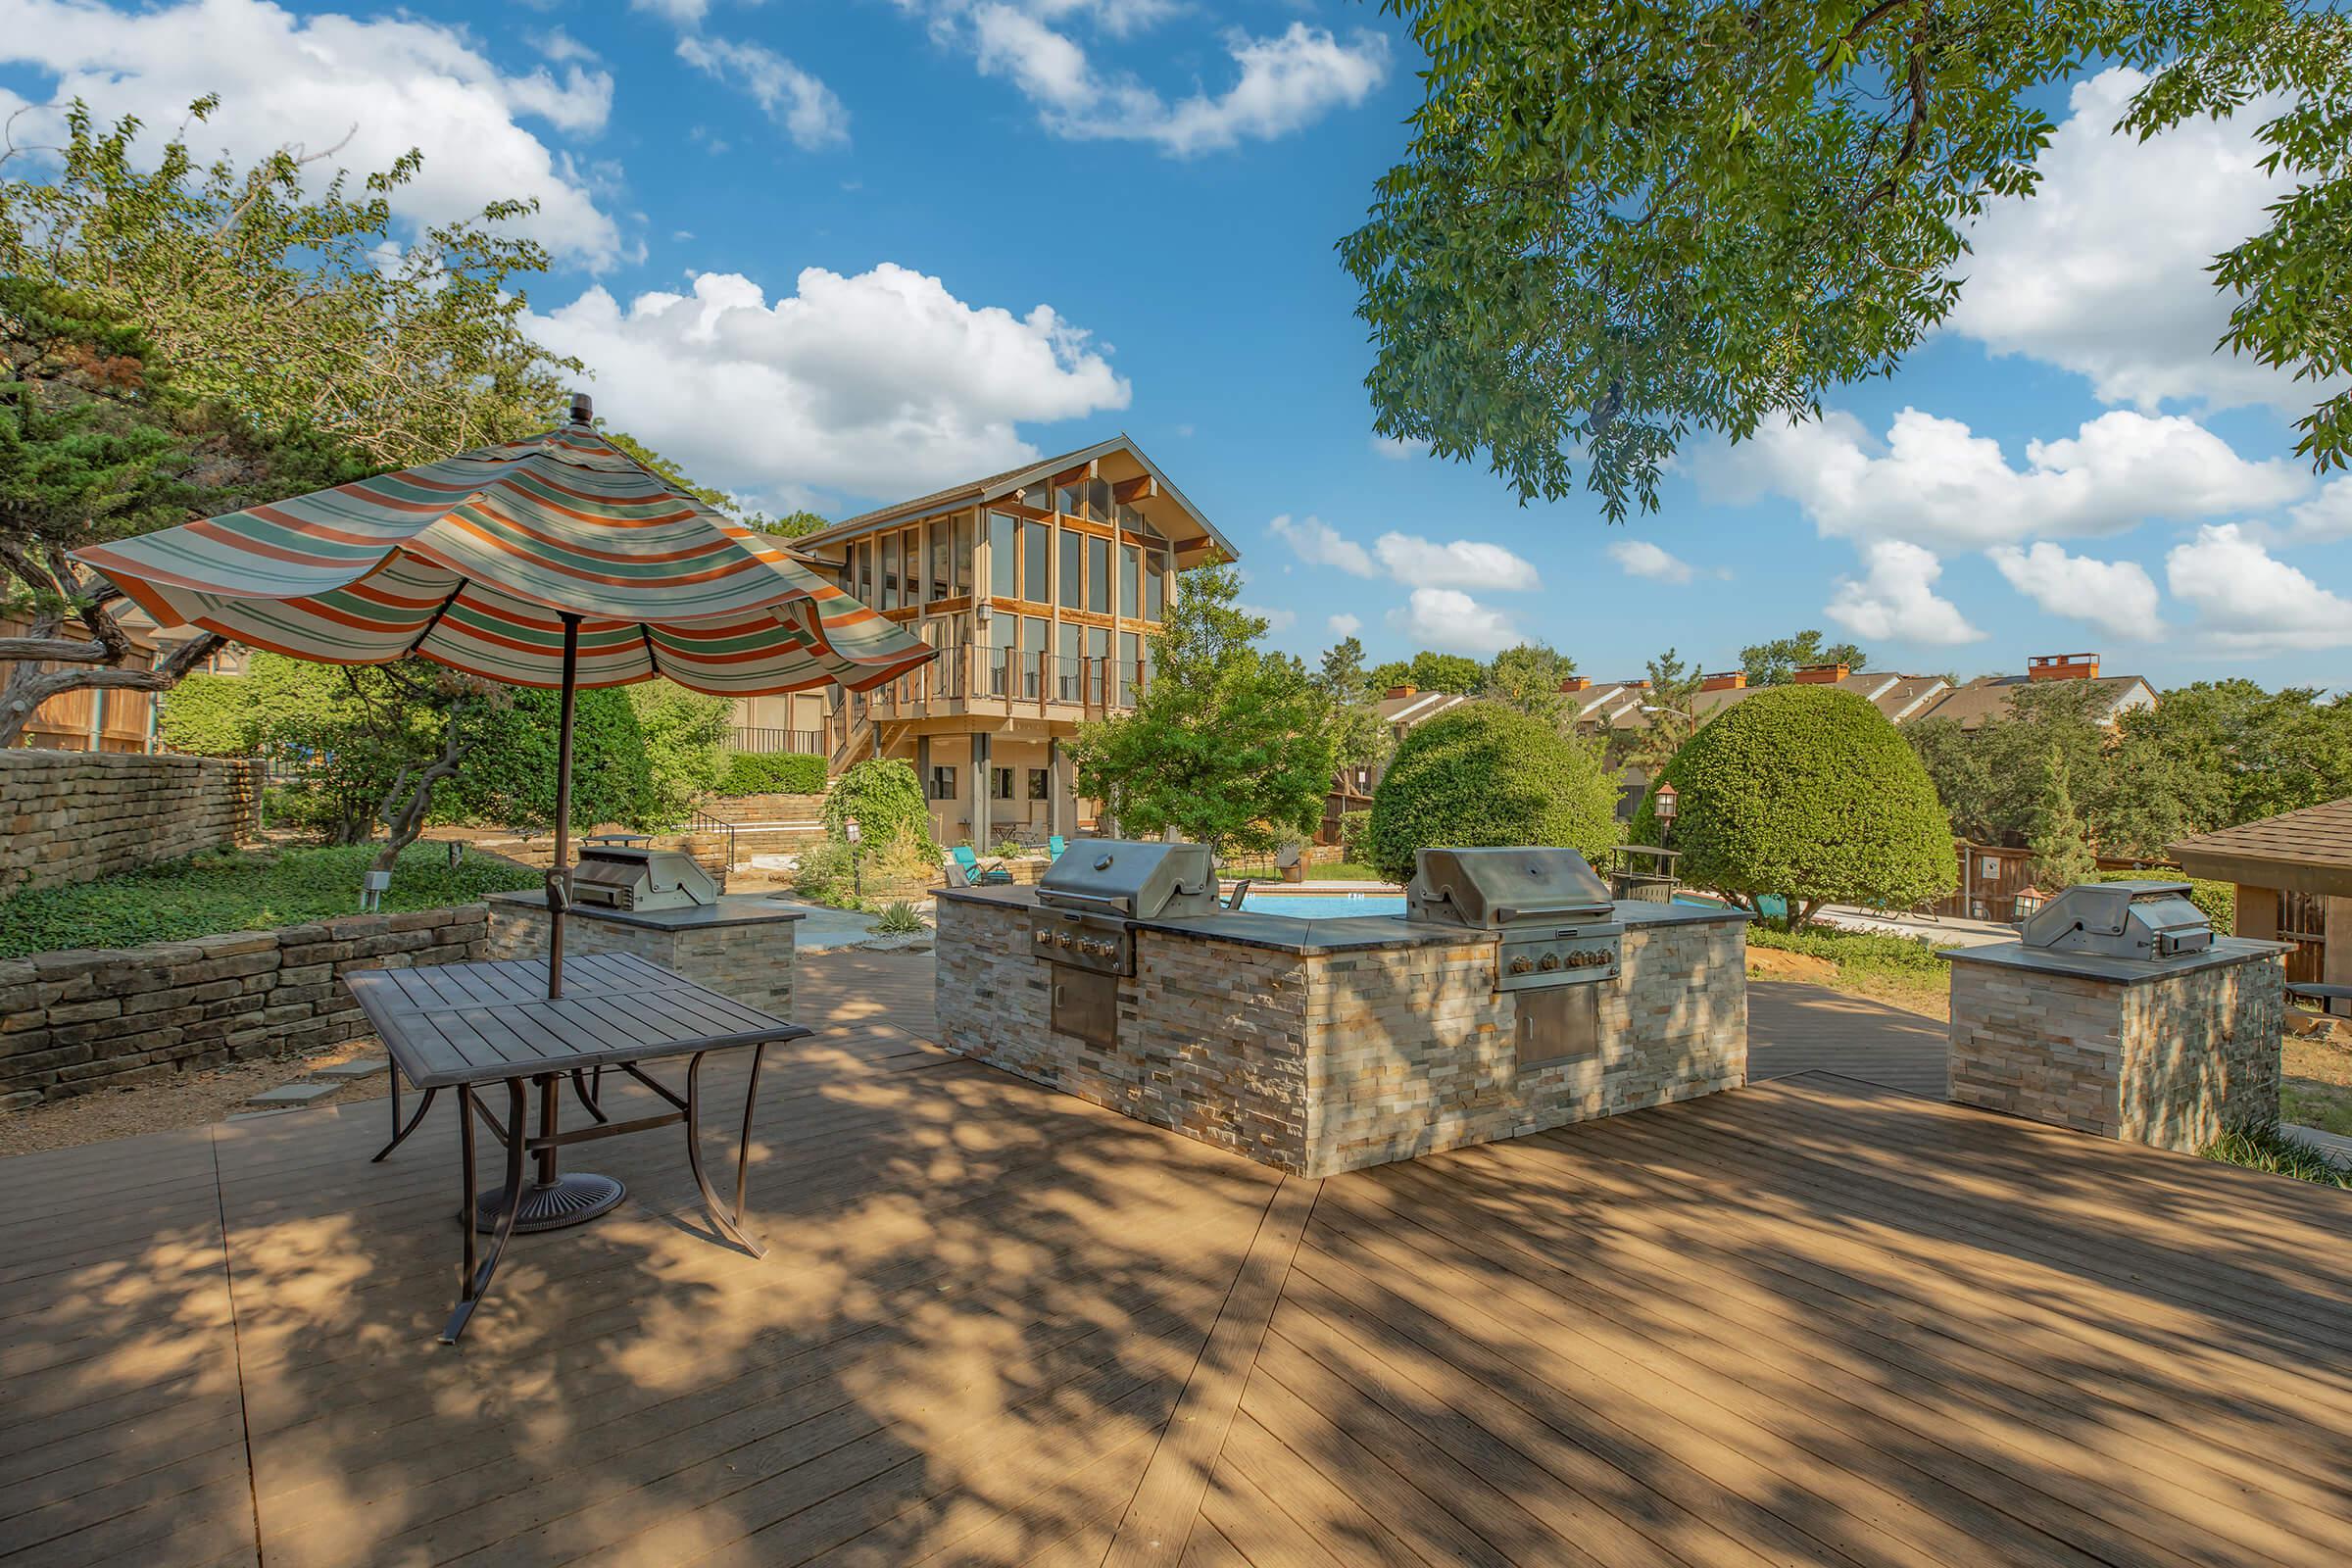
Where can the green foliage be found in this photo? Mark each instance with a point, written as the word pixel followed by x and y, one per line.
pixel 240 890
pixel 1616 225
pixel 2061 844
pixel 1445 673
pixel 1229 744
pixel 683 735
pixel 825 873
pixel 772 773
pixel 1863 952
pixel 1358 737
pixel 2216 754
pixel 1806 792
pixel 1010 850
pixel 1527 678
pixel 900 918
pixel 1991 781
pixel 2266 1149
pixel 886 797
pixel 1775 662
pixel 1388 676
pixel 793 524
pixel 1483 775
pixel 1670 714
pixel 208 715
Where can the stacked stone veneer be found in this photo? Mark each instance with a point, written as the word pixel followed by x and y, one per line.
pixel 749 961
pixel 96 1018
pixel 2172 1062
pixel 69 816
pixel 1321 1062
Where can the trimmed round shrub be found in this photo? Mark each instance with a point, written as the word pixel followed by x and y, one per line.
pixel 1809 793
pixel 886 797
pixel 1485 775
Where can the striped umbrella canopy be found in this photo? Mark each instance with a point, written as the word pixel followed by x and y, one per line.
pixel 557 561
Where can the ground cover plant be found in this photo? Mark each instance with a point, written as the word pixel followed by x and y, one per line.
pixel 1897 970
pixel 2269 1149
pixel 242 890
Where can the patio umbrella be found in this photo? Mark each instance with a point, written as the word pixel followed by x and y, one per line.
pixel 557 561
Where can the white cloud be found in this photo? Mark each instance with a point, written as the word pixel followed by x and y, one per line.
pixel 2326 515
pixel 879 385
pixel 1419 563
pixel 2102 269
pixel 1284 82
pixel 1453 623
pixel 1319 544
pixel 1344 625
pixel 2118 597
pixel 1400 448
pixel 2249 602
pixel 1895 600
pixel 1642 559
pixel 1937 483
pixel 804 106
pixel 683 12
pixel 378 87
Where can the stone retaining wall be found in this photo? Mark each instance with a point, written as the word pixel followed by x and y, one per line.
pixel 101 1018
pixel 70 816
pixel 747 956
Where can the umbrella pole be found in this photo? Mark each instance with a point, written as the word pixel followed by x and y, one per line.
pixel 559 877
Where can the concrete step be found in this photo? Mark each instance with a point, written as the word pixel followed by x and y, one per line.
pixel 345 1071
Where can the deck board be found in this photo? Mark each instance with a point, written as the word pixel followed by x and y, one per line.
pixel 1815 1321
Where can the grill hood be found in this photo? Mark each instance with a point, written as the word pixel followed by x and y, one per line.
pixel 1495 889
pixel 1132 879
pixel 2148 920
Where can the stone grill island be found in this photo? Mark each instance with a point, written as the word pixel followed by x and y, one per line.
pixel 1321 1046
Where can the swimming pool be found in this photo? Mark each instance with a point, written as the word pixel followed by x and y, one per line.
pixel 1322 906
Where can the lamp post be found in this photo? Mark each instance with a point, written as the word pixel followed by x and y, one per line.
pixel 1663 805
pixel 848 826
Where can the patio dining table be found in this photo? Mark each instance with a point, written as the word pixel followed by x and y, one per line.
pixel 465 1026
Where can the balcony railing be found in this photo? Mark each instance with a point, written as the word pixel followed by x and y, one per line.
pixel 1004 679
pixel 755 738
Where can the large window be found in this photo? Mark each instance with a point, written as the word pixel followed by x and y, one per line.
pixel 1073 569
pixel 1130 567
pixel 1066 686
pixel 1037 584
pixel 1070 500
pixel 1156 565
pixel 942 540
pixel 1098 575
pixel 1004 565
pixel 865 571
pixel 1131 674
pixel 999 784
pixel 960 563
pixel 1033 655
pixel 890 572
pixel 943 783
pixel 1037 783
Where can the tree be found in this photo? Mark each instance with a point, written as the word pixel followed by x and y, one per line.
pixel 1618 224
pixel 1387 677
pixel 2061 843
pixel 1486 774
pixel 792 526
pixel 1358 737
pixel 1806 793
pixel 1989 779
pixel 1230 745
pixel 2216 753
pixel 1527 678
pixel 1447 672
pixel 1670 708
pixel 1775 662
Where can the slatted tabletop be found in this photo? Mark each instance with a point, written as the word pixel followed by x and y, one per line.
pixel 471 1023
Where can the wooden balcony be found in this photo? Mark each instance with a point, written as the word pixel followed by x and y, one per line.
pixel 1000 683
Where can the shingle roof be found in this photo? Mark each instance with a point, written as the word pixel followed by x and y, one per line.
pixel 1987 697
pixel 2309 851
pixel 1421 706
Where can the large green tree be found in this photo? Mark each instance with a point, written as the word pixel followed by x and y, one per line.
pixel 1991 780
pixel 1230 745
pixel 1777 661
pixel 1618 225
pixel 2216 753
pixel 1527 678
pixel 1358 737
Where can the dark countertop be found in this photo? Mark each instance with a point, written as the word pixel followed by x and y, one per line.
pixel 732 909
pixel 1359 933
pixel 2225 951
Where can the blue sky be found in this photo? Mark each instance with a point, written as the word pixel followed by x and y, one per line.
pixel 835 254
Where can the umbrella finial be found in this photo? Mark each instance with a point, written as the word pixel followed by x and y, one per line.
pixel 583 408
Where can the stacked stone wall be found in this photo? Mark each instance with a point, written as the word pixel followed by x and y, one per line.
pixel 750 963
pixel 101 1018
pixel 72 817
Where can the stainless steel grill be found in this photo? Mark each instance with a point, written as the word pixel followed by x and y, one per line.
pixel 616 876
pixel 1550 907
pixel 2147 920
pixel 1083 929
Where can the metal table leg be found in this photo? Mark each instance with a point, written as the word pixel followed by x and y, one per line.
pixel 400 1132
pixel 732 1224
pixel 473 1278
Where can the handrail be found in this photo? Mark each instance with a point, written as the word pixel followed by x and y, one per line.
pixel 699 822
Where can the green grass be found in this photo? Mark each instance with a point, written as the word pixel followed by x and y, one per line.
pixel 2266 1148
pixel 239 890
pixel 1861 951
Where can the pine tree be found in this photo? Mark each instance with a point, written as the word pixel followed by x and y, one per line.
pixel 2060 841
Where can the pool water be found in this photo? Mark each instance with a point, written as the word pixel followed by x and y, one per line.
pixel 1322 906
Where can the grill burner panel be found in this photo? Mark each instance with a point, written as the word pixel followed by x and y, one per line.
pixel 1083 930
pixel 2147 920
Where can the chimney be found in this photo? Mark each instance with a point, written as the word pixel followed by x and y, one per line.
pixel 1395 692
pixel 583 408
pixel 1821 674
pixel 1730 681
pixel 2063 667
pixel 1577 683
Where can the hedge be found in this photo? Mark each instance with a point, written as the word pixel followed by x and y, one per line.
pixel 773 773
pixel 1484 775
pixel 886 797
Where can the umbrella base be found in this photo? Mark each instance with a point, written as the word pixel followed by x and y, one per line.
pixel 576 1198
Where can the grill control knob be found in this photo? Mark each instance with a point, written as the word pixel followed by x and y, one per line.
pixel 1045 938
pixel 1523 964
pixel 1062 936
pixel 1551 962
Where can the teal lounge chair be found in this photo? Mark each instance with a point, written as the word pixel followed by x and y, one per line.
pixel 969 864
pixel 1055 844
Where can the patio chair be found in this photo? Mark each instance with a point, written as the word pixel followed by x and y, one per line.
pixel 1055 844
pixel 969 864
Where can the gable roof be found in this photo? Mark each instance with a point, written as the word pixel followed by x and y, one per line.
pixel 994 487
pixel 1421 706
pixel 1987 697
pixel 2309 851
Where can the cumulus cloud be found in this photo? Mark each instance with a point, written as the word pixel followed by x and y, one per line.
pixel 1319 544
pixel 378 87
pixel 1894 600
pixel 1452 622
pixel 1281 85
pixel 2326 515
pixel 2118 597
pixel 2249 602
pixel 1344 625
pixel 805 107
pixel 1934 482
pixel 879 385
pixel 1642 559
pixel 1400 448
pixel 2102 269
pixel 1457 563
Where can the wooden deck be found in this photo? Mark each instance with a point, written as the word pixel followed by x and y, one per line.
pixel 1814 1321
